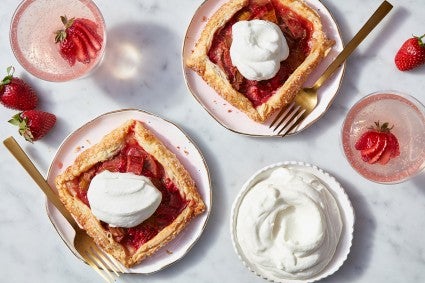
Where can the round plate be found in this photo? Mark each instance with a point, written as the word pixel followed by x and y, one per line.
pixel 346 210
pixel 229 116
pixel 175 140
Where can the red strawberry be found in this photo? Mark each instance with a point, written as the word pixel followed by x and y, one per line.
pixel 79 40
pixel 16 93
pixel 33 124
pixel 411 54
pixel 378 144
pixel 372 154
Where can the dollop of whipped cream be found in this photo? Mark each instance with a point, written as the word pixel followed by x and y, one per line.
pixel 257 49
pixel 122 199
pixel 289 225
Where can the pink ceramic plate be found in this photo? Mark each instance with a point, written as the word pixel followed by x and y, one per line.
pixel 177 141
pixel 230 117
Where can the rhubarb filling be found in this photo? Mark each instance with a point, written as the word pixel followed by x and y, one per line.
pixel 297 31
pixel 133 158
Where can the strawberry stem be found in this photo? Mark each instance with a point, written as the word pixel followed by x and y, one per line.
pixel 61 34
pixel 22 124
pixel 8 78
pixel 420 42
pixel 381 128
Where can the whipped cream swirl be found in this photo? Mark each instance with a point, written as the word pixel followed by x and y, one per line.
pixel 122 199
pixel 289 225
pixel 257 49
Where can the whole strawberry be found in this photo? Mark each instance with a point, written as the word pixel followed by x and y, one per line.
pixel 411 54
pixel 16 93
pixel 33 124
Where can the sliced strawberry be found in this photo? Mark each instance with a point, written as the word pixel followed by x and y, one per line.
pixel 372 154
pixel 91 25
pixel 372 149
pixel 393 145
pixel 79 40
pixel 81 54
pixel 68 50
pixel 378 144
pixel 92 37
pixel 367 140
pixel 380 150
pixel 91 50
pixel 385 157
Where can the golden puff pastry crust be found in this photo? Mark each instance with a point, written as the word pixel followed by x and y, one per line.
pixel 214 75
pixel 108 147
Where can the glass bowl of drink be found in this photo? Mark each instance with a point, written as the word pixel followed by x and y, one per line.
pixel 383 137
pixel 48 54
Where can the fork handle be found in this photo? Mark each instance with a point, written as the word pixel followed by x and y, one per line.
pixel 373 21
pixel 29 166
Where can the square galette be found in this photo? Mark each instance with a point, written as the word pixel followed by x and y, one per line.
pixel 257 54
pixel 130 193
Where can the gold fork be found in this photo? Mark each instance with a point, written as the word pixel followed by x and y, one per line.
pixel 102 263
pixel 290 117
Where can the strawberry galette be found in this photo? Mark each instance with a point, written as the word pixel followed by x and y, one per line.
pixel 257 54
pixel 130 193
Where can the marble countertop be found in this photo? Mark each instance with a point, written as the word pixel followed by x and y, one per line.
pixel 388 243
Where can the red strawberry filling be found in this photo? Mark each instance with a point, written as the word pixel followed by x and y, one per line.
pixel 378 145
pixel 297 31
pixel 133 158
pixel 79 40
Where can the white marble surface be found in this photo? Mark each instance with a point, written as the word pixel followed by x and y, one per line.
pixel 388 241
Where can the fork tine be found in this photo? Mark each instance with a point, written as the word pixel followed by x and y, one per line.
pixel 121 268
pixel 102 258
pixel 281 115
pixel 97 260
pixel 293 124
pixel 113 264
pixel 284 122
pixel 98 270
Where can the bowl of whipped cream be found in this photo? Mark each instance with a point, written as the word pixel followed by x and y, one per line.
pixel 292 222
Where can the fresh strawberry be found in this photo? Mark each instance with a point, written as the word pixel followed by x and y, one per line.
pixel 411 54
pixel 79 40
pixel 367 140
pixel 33 124
pixel 378 144
pixel 16 93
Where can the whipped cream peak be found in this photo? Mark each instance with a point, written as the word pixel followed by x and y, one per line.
pixel 288 224
pixel 257 48
pixel 122 199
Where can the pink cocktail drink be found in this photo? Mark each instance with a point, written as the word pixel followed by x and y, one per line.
pixel 406 118
pixel 33 31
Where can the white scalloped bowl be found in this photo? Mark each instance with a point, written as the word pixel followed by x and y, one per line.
pixel 346 211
